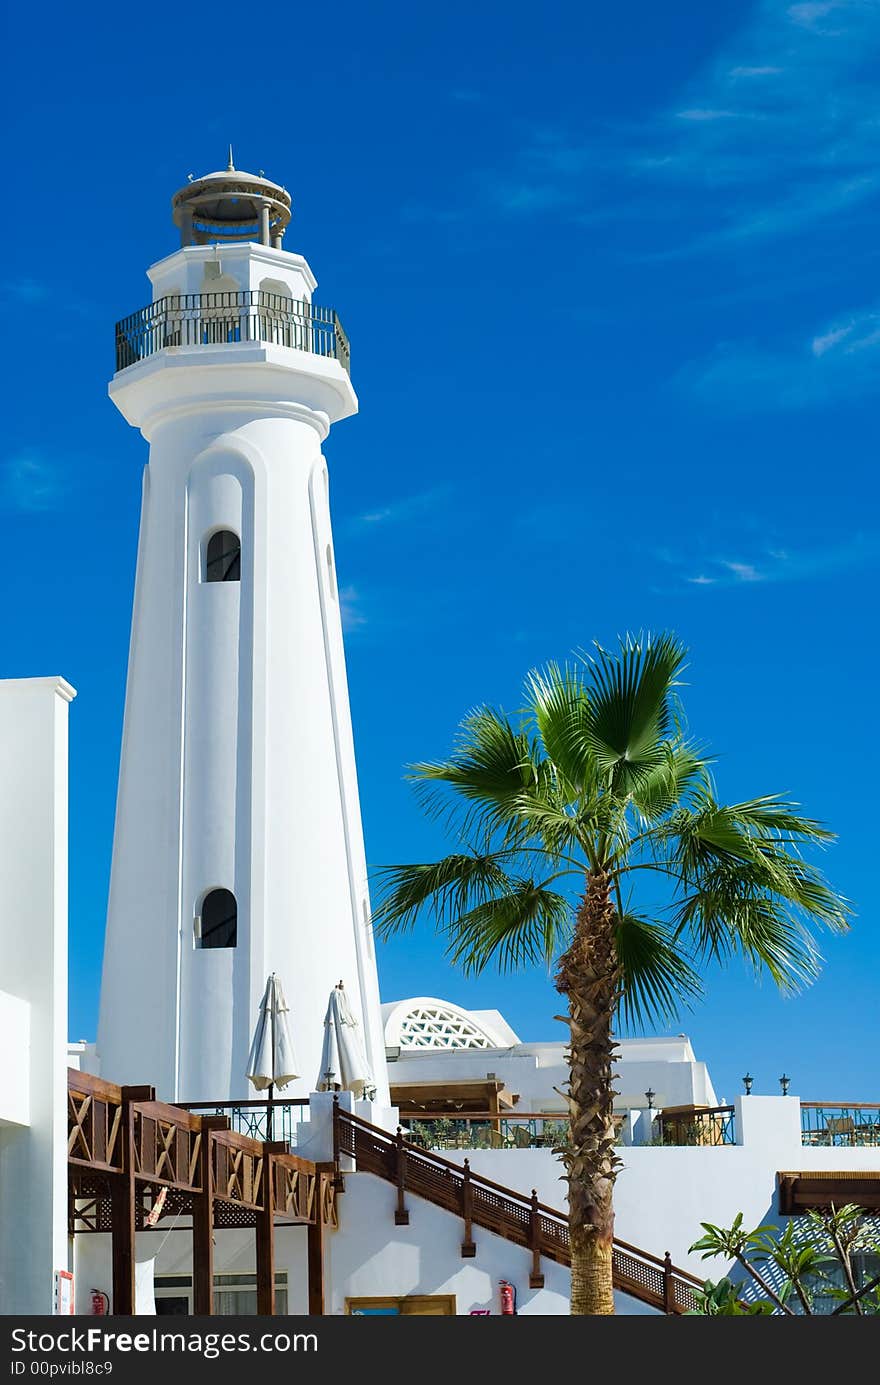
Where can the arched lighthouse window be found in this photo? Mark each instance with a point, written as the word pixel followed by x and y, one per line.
pixel 219 919
pixel 223 557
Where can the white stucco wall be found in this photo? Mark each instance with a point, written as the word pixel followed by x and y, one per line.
pixel 33 970
pixel 368 1257
pixel 371 1257
pixel 535 1071
pixel 15 1045
pixel 663 1193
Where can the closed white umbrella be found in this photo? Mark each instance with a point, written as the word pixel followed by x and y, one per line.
pixel 344 1066
pixel 271 1062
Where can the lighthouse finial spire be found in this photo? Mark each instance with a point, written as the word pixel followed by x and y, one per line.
pixel 230 167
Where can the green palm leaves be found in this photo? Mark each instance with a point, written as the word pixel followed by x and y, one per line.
pixel 596 773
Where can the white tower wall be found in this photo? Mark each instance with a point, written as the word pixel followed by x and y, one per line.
pixel 237 767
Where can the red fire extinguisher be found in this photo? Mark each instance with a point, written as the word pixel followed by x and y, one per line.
pixel 508 1299
pixel 100 1303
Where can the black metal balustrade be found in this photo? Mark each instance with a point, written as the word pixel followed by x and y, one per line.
pixel 213 319
pixel 712 1126
pixel 252 1117
pixel 853 1125
pixel 487 1130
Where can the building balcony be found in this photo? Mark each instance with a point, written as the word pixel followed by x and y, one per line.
pixel 215 319
pixel 852 1125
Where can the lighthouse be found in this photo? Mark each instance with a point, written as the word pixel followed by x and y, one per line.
pixel 238 847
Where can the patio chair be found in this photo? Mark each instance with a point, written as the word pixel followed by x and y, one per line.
pixel 842 1129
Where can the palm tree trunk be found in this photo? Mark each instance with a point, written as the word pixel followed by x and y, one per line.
pixel 589 976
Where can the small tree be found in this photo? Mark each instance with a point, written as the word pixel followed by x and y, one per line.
pixel 559 816
pixel 812 1257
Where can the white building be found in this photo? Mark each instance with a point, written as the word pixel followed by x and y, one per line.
pixel 33 991
pixel 433 1045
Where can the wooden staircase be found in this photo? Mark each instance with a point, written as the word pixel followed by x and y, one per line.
pixel 479 1202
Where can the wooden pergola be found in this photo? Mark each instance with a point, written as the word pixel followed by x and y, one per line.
pixel 817 1189
pixel 414 1099
pixel 124 1147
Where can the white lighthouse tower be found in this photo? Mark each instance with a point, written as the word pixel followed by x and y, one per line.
pixel 238 848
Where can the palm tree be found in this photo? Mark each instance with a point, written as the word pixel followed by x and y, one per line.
pixel 597 782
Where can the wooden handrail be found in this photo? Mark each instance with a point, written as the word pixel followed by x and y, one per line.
pixel 171 1115
pixel 841 1105
pixel 550 1117
pixel 697 1112
pixel 521 1219
pixel 262 1102
pixel 85 1084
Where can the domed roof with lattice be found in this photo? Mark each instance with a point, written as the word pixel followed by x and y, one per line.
pixel 425 1022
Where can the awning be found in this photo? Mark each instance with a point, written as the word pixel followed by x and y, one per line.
pixel 452 1098
pixel 806 1190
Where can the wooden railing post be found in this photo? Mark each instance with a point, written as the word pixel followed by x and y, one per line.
pixel 668 1285
pixel 315 1250
pixel 401 1215
pixel 468 1249
pixel 203 1227
pixel 265 1241
pixel 338 1180
pixel 536 1278
pixel 122 1200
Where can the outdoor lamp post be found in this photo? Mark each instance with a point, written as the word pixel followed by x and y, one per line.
pixel 649 1097
pixel 747 1083
pixel 785 1083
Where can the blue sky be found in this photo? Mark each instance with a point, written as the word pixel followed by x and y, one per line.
pixel 610 276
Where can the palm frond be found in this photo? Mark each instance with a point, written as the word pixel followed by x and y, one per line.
pixel 445 889
pixel 525 924
pixel 681 769
pixel 774 816
pixel 631 712
pixel 495 768
pixel 657 980
pixel 558 700
pixel 729 916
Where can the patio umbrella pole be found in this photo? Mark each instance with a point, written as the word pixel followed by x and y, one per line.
pixel 270 1124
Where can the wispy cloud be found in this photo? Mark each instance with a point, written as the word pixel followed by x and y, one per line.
pixel 777 132
pixel 755 71
pixel 30 484
pixel 769 563
pixel 838 361
pixel 351 609
pixel 704 113
pixel 25 290
pixel 397 511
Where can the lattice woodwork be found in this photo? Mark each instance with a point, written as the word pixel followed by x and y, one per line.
pixel 93 1130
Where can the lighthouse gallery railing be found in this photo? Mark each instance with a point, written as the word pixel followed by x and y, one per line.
pixel 213 319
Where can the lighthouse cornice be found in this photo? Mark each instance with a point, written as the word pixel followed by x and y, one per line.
pixel 257 379
pixel 229 414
